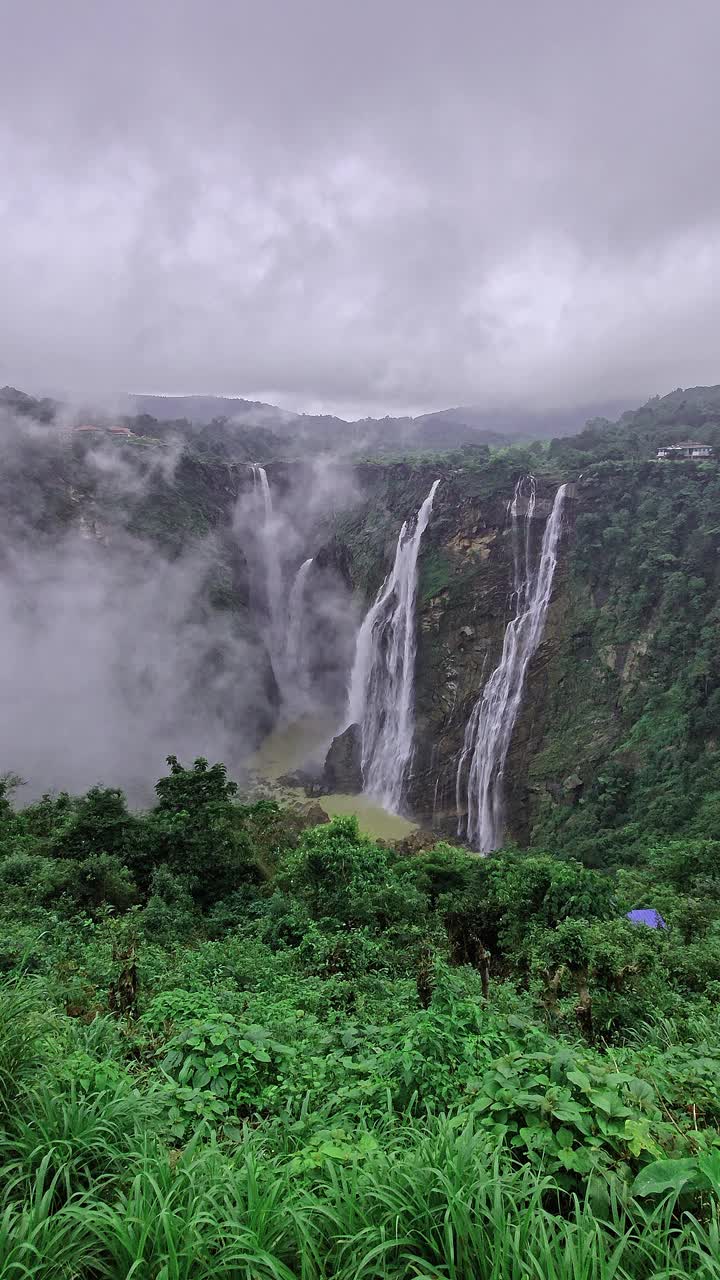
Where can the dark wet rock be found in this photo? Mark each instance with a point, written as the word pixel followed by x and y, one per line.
pixel 335 556
pixel 572 783
pixel 417 842
pixel 300 778
pixel 343 763
pixel 315 815
pixel 315 788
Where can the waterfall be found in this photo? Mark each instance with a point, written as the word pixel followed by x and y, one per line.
pixel 268 542
pixel 295 664
pixel 382 681
pixel 490 727
pixel 521 565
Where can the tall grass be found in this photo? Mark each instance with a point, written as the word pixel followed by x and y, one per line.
pixel 74 1141
pixel 23 1033
pixel 429 1203
pixel 39 1242
pixel 88 1191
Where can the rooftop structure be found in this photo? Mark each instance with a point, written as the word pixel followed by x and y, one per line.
pixel 686 449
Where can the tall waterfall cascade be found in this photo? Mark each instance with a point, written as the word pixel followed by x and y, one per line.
pixel 489 730
pixel 268 542
pixel 382 684
pixel 296 674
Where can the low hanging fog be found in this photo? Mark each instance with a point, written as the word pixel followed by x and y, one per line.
pixel 117 649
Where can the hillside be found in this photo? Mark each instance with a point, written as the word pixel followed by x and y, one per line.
pixel 615 742
pixel 201 410
pixel 638 433
pixel 446 428
pixel 631 618
pixel 239 1038
pixel 222 422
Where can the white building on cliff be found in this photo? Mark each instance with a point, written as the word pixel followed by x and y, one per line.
pixel 686 449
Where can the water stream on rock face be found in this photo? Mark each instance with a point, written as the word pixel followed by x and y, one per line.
pixel 521 550
pixel 381 694
pixel 490 727
pixel 269 552
pixel 296 671
pixel 285 616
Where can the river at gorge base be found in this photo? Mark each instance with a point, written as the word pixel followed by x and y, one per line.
pixel 302 744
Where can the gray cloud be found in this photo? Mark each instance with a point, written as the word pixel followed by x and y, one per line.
pixel 383 206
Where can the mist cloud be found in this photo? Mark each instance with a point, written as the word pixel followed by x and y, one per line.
pixel 111 654
pixel 377 206
pixel 104 669
pixel 119 649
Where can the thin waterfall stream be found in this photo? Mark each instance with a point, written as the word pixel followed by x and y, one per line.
pixel 267 537
pixel 381 698
pixel 489 730
pixel 296 672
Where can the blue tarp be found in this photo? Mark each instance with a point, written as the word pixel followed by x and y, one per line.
pixel 648 916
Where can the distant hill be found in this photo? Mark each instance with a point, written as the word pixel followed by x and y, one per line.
pixel 639 433
pixel 236 428
pixel 200 410
pixel 445 428
pixel 14 401
pixel 494 426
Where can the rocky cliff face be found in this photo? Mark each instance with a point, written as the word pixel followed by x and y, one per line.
pixel 343 763
pixel 466 590
pixel 622 700
pixel 595 731
pixel 463 608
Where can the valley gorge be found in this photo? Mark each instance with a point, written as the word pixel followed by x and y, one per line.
pixel 611 728
pixel 607 717
pixel 359 642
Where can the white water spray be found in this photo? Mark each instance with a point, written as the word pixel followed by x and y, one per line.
pixel 521 562
pixel 268 542
pixel 295 664
pixel 383 677
pixel 490 727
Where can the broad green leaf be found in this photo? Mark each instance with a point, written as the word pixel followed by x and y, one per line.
pixel 564 1137
pixel 667 1175
pixel 609 1103
pixel 580 1079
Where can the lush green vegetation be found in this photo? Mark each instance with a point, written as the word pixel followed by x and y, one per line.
pixel 635 696
pixel 636 436
pixel 233 1045
pixel 693 413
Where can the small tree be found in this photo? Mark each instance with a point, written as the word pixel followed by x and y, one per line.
pixel 197 830
pixel 346 880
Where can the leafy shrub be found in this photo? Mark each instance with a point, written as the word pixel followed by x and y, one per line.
pixel 218 1071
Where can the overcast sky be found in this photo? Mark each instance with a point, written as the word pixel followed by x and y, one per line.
pixel 361 205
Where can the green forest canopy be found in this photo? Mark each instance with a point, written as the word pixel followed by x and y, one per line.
pixel 235 1044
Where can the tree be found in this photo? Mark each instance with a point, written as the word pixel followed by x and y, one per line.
pixel 98 822
pixel 614 969
pixel 347 880
pixel 197 830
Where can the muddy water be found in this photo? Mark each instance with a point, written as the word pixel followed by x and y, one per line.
pixel 294 746
pixel 304 743
pixel 373 820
